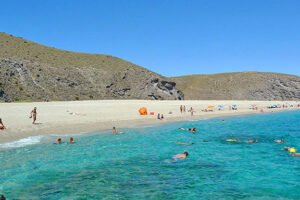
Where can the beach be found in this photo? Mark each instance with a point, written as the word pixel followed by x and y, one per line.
pixel 72 117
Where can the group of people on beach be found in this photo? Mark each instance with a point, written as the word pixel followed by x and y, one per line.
pixel 182 109
pixel 33 116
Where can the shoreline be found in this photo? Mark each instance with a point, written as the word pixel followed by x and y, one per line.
pixel 83 117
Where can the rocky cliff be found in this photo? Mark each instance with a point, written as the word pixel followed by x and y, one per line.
pixel 34 72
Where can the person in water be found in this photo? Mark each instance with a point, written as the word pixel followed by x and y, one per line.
pixel 72 141
pixel 2 127
pixel 251 141
pixel 279 141
pixel 183 155
pixel 185 143
pixel 192 130
pixel 59 141
pixel 114 130
pixel 33 115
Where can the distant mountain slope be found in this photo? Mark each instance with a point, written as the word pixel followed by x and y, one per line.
pixel 240 86
pixel 29 71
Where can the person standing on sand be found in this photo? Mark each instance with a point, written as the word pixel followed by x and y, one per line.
pixel 181 108
pixel 192 111
pixel 33 115
pixel 2 127
pixel 158 116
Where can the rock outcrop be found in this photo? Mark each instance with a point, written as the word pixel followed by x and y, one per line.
pixel 30 71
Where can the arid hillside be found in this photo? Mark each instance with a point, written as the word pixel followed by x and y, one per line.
pixel 240 86
pixel 33 72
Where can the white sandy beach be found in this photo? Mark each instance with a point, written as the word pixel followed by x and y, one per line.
pixel 71 117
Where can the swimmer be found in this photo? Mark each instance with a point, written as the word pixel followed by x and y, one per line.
pixel 192 130
pixel 72 141
pixel 114 130
pixel 251 141
pixel 184 143
pixel 296 154
pixel 287 148
pixel 279 141
pixel 183 155
pixel 232 140
pixel 59 141
pixel 2 197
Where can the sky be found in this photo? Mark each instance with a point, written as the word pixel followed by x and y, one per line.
pixel 170 37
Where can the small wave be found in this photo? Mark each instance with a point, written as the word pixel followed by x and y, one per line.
pixel 22 142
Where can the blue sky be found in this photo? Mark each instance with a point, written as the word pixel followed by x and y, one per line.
pixel 170 37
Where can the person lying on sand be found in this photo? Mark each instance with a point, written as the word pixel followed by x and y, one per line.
pixel 114 130
pixel 58 141
pixel 183 155
pixel 72 141
pixel 33 115
pixel 2 127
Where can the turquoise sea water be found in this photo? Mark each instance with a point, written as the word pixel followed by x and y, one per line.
pixel 138 163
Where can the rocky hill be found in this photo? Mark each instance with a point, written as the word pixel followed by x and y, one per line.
pixel 240 86
pixel 33 72
pixel 29 71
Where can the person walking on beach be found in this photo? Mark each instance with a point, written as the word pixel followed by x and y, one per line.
pixel 184 109
pixel 158 116
pixel 181 108
pixel 2 127
pixel 192 111
pixel 33 115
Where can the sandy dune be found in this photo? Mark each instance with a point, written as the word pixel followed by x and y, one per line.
pixel 87 116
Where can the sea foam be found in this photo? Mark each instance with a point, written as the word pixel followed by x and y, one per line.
pixel 22 142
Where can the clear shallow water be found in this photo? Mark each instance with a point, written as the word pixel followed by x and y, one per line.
pixel 138 165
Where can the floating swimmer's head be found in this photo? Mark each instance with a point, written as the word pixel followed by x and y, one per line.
pixel 186 153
